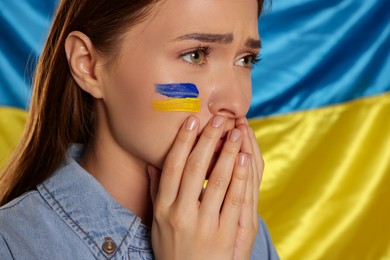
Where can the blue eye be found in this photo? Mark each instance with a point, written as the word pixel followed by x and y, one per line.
pixel 197 56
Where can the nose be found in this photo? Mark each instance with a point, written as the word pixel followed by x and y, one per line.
pixel 231 95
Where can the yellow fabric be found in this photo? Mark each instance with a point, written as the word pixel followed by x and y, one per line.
pixel 12 122
pixel 326 186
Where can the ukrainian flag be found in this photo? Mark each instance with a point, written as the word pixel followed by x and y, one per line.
pixel 23 28
pixel 321 113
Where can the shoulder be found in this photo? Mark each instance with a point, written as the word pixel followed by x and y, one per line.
pixel 25 215
pixel 18 218
pixel 25 202
pixel 23 205
pixel 28 222
pixel 263 247
pixel 23 212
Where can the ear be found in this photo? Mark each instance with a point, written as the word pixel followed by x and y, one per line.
pixel 83 60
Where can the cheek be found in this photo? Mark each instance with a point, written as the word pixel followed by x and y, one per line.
pixel 134 125
pixel 246 89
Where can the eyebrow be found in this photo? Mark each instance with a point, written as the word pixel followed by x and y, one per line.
pixel 218 38
pixel 253 43
pixel 208 37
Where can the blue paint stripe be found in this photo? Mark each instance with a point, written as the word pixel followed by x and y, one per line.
pixel 178 90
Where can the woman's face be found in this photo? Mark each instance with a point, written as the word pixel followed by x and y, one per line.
pixel 208 43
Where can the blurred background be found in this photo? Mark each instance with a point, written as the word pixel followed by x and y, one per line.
pixel 320 110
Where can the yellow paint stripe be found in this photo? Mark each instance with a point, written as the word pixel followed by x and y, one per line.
pixel 177 105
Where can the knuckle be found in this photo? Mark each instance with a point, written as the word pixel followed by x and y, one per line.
pixel 236 200
pixel 211 133
pixel 261 163
pixel 172 166
pixel 247 202
pixel 178 220
pixel 184 138
pixel 240 175
pixel 195 166
pixel 159 213
pixel 231 149
pixel 219 181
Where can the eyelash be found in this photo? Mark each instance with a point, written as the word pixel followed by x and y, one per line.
pixel 204 49
pixel 256 57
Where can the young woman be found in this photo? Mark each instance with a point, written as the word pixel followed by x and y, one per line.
pixel 135 104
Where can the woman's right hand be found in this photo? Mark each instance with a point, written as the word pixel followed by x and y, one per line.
pixel 185 226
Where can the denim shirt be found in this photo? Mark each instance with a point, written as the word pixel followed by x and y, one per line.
pixel 71 216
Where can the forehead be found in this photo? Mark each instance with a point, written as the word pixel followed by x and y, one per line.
pixel 178 17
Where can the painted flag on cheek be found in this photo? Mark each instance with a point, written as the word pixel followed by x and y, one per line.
pixel 320 111
pixel 182 97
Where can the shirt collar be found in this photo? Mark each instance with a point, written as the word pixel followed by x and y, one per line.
pixel 82 202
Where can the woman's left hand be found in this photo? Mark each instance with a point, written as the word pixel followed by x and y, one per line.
pixel 249 222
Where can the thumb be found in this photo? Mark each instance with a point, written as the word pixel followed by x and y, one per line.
pixel 154 175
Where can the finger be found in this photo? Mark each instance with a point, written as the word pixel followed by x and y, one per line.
pixel 246 140
pixel 250 145
pixel 220 176
pixel 243 122
pixel 154 175
pixel 257 164
pixel 255 193
pixel 246 217
pixel 258 158
pixel 235 196
pixel 176 159
pixel 198 162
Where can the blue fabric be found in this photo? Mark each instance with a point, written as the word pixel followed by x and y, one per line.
pixel 71 215
pixel 23 29
pixel 317 53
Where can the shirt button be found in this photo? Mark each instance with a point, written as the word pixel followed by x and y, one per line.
pixel 108 246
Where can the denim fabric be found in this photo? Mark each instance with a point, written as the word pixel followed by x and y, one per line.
pixel 70 216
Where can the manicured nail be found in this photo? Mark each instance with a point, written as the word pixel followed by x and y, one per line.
pixel 217 121
pixel 234 135
pixel 191 123
pixel 242 159
pixel 241 121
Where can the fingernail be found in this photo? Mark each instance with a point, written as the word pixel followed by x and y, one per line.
pixel 234 135
pixel 241 121
pixel 218 121
pixel 191 123
pixel 242 159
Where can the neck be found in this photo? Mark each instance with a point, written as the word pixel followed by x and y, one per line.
pixel 122 175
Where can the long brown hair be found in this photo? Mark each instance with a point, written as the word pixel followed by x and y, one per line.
pixel 60 112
